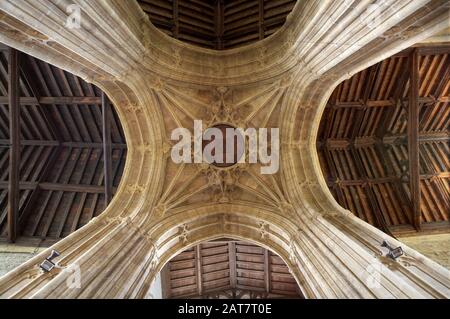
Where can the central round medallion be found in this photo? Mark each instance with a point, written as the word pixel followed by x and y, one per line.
pixel 229 145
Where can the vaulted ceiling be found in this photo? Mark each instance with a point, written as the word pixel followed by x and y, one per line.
pixel 218 24
pixel 364 136
pixel 62 164
pixel 163 208
pixel 362 145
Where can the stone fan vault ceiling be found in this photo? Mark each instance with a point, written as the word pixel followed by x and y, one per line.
pixel 161 209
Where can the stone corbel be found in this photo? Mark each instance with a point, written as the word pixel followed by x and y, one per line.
pixel 263 230
pixel 134 108
pixel 135 188
pixel 184 233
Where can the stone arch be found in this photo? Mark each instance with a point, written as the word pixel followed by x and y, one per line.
pixel 263 227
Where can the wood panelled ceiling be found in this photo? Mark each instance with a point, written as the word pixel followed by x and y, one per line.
pixel 61 166
pixel 228 269
pixel 218 24
pixel 364 142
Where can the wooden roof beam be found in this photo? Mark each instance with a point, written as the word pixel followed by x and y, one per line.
pixel 344 143
pixel 14 131
pixel 267 271
pixel 413 137
pixel 219 23
pixel 57 100
pixel 176 19
pixel 198 266
pixel 107 149
pixel 232 261
pixel 261 26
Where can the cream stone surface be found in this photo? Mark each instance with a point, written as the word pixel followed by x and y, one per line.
pixel 436 247
pixel 158 83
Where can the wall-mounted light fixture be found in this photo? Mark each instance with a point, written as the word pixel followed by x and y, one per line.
pixel 393 253
pixel 48 265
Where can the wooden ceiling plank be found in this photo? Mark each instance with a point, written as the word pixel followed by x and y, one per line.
pixel 48 194
pixel 399 191
pixel 52 113
pixel 90 178
pixel 31 162
pixel 27 74
pixel 59 195
pixel 66 114
pixel 71 197
pixel 87 110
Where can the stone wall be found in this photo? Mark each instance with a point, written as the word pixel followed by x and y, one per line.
pixel 436 247
pixel 13 255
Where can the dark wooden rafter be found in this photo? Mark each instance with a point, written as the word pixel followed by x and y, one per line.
pixel 388 104
pixel 386 161
pixel 107 150
pixel 413 137
pixel 198 260
pixel 367 90
pixel 176 19
pixel 14 157
pixel 261 19
pixel 382 148
pixel 397 100
pixel 219 23
pixel 267 271
pixel 56 100
pixel 381 180
pixel 343 143
pixel 37 187
pixel 6 143
pixel 27 75
pixel 232 262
